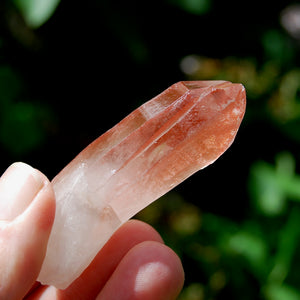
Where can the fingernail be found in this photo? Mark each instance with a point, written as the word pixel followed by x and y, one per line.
pixel 19 184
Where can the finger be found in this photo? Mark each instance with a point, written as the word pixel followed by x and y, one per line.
pixel 24 233
pixel 149 271
pixel 89 284
pixel 18 186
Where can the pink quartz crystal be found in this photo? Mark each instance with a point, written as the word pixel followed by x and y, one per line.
pixel 160 144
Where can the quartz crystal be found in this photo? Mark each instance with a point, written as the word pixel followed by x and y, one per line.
pixel 157 146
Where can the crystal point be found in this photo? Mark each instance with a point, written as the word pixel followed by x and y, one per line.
pixel 157 146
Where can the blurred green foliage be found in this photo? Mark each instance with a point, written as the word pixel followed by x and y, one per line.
pixel 36 12
pixel 70 71
pixel 22 122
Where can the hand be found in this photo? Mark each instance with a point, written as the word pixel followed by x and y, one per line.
pixel 134 264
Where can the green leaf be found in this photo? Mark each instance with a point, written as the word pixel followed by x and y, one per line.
pixel 281 292
pixel 36 12
pixel 266 190
pixel 289 181
pixel 249 245
pixel 285 164
pixel 287 244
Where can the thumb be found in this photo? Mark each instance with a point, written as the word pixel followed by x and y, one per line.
pixel 27 209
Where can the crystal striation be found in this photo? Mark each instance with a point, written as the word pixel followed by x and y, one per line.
pixel 157 146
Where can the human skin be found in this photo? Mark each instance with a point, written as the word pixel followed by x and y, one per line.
pixel 134 263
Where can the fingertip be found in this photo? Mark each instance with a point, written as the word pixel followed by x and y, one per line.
pixel 19 184
pixel 150 270
pixel 160 272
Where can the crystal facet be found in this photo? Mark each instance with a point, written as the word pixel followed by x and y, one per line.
pixel 160 144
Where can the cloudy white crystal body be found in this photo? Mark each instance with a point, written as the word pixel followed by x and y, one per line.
pixel 177 133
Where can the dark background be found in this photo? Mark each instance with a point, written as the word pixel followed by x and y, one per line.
pixel 70 78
